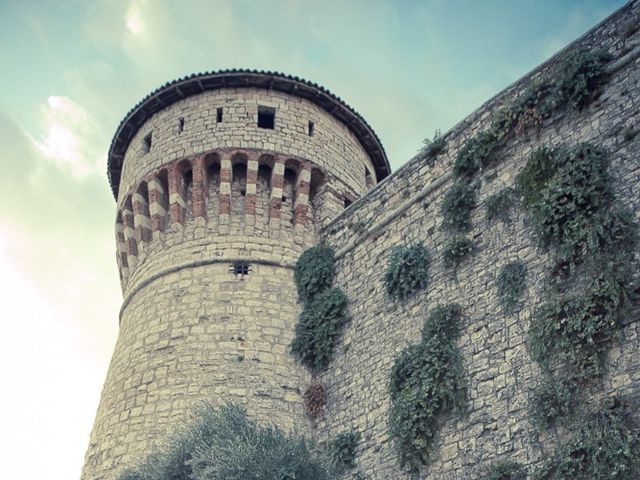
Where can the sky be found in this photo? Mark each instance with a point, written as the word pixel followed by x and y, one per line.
pixel 72 69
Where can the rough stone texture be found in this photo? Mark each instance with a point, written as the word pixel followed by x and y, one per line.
pixel 405 208
pixel 191 330
pixel 197 203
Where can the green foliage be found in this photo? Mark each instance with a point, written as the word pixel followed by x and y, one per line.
pixel 318 329
pixel 605 446
pixel 456 250
pixel 552 399
pixel 478 153
pixel 578 79
pixel 408 270
pixel 499 205
pixel 538 170
pixel 432 147
pixel 511 283
pixel 506 470
pixel 426 384
pixel 456 208
pixel 342 452
pixel 314 272
pixel 575 82
pixel 224 444
pixel 575 330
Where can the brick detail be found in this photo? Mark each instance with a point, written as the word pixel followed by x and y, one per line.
pixel 199 188
pixel 176 196
pixel 141 219
pixel 252 180
pixel 277 183
pixel 129 237
pixel 301 207
pixel 225 188
pixel 156 206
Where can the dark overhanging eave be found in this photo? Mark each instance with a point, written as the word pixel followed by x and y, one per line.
pixel 197 83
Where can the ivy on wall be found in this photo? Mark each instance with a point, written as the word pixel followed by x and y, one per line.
pixel 456 249
pixel 457 204
pixel 341 452
pixel 499 205
pixel 426 383
pixel 511 283
pixel 325 309
pixel 408 271
pixel 606 445
pixel 505 470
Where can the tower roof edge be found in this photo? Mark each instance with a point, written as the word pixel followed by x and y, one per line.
pixel 197 83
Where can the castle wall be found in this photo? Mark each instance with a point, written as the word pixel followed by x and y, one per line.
pixel 405 208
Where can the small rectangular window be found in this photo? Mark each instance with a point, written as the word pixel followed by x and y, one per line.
pixel 312 127
pixel 219 115
pixel 180 124
pixel 266 117
pixel 240 269
pixel 146 143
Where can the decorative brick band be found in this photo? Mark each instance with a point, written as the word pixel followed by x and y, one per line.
pixel 141 219
pixel 301 207
pixel 225 189
pixel 157 197
pixel 177 204
pixel 199 187
pixel 277 183
pixel 252 180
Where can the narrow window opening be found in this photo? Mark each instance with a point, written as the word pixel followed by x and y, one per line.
pixel 368 178
pixel 240 269
pixel 312 127
pixel 219 115
pixel 243 192
pixel 347 202
pixel 284 199
pixel 146 143
pixel 266 117
pixel 180 124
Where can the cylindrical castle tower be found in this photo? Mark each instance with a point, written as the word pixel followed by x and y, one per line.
pixel 221 180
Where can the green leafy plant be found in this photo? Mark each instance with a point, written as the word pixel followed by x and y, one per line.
pixel 456 250
pixel 408 271
pixel 499 205
pixel 432 147
pixel 605 446
pixel 511 283
pixel 506 470
pixel 341 452
pixel 539 169
pixel 224 444
pixel 552 399
pixel 477 153
pixel 318 329
pixel 575 330
pixel 457 205
pixel 314 272
pixel 426 384
pixel 578 79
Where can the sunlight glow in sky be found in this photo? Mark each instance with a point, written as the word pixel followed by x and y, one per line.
pixel 73 68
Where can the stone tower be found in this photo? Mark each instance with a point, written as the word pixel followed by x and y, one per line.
pixel 221 180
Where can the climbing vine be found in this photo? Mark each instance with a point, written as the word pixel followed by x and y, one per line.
pixel 505 470
pixel 426 383
pixel 325 309
pixel 456 208
pixel 408 271
pixel 341 452
pixel 499 205
pixel 456 250
pixel 573 85
pixel 606 445
pixel 511 283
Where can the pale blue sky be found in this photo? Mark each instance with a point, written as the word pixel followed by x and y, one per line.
pixel 72 69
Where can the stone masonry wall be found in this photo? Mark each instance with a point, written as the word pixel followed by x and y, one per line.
pixel 208 198
pixel 405 208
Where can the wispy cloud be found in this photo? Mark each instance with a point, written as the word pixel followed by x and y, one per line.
pixel 71 137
